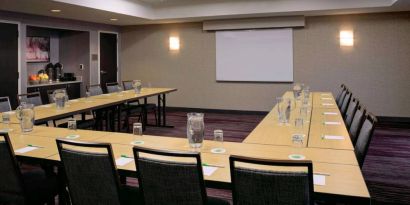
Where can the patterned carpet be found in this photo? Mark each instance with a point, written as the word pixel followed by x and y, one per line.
pixel 386 169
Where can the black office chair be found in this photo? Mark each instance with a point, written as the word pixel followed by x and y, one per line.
pixel 112 87
pixel 95 89
pixel 171 182
pixel 99 115
pixel 364 138
pixel 92 177
pixel 345 103
pixel 343 87
pixel 134 108
pixel 31 98
pixel 258 186
pixel 342 97
pixel 5 104
pixel 31 187
pixel 357 122
pixel 351 110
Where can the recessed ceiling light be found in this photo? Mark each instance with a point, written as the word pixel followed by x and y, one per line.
pixel 55 10
pixel 114 19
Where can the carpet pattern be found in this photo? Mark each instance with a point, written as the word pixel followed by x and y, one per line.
pixel 386 168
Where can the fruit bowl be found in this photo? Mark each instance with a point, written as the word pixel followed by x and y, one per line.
pixel 34 82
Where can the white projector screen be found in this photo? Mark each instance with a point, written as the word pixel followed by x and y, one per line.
pixel 255 55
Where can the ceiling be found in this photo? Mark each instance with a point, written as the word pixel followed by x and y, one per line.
pixel 135 12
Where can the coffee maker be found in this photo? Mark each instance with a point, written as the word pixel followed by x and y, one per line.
pixel 50 71
pixel 58 70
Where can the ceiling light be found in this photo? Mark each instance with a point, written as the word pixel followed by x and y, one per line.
pixel 55 10
pixel 113 19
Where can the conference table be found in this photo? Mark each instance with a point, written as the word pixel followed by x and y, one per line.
pixel 337 173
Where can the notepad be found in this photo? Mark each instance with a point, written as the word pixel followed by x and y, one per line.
pixel 332 123
pixel 123 161
pixel 333 137
pixel 25 149
pixel 330 113
pixel 328 104
pixel 324 94
pixel 208 170
pixel 319 179
pixel 327 98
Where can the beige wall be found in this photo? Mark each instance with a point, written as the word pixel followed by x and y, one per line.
pixel 377 68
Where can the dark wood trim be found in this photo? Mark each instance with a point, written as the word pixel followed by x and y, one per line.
pixel 243 112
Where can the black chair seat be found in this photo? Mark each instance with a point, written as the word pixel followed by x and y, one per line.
pixel 129 195
pixel 39 187
pixel 216 201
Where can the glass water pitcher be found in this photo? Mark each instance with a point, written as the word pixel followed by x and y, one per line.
pixel 60 97
pixel 25 113
pixel 195 129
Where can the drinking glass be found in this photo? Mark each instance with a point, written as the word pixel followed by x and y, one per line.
pixel 137 129
pixel 72 124
pixel 304 113
pixel 219 139
pixel 6 121
pixel 195 129
pixel 297 88
pixel 137 132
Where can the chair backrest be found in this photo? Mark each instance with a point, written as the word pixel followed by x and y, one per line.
pixel 356 124
pixel 351 110
pixel 5 104
pixel 256 186
pixel 345 103
pixel 50 95
pixel 343 87
pixel 31 98
pixel 342 97
pixel 94 89
pixel 92 177
pixel 11 185
pixel 364 138
pixel 170 182
pixel 112 87
pixel 127 84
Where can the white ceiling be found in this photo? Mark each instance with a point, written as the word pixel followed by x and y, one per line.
pixel 134 12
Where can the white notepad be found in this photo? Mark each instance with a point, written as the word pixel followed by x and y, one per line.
pixel 330 113
pixel 328 104
pixel 123 161
pixel 25 149
pixel 319 179
pixel 334 137
pixel 327 98
pixel 332 123
pixel 208 171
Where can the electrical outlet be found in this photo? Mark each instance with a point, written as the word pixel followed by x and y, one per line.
pixel 81 66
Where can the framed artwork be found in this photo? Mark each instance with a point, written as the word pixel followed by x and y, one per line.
pixel 38 49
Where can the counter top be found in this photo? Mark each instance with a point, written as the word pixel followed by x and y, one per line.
pixel 52 83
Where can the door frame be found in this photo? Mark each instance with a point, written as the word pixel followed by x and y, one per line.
pixel 99 56
pixel 19 59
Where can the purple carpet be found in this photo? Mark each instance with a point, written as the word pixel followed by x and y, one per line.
pixel 386 169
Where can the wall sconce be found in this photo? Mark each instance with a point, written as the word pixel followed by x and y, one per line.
pixel 346 38
pixel 173 43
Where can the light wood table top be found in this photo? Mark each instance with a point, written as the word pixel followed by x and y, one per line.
pixel 76 106
pixel 323 100
pixel 271 131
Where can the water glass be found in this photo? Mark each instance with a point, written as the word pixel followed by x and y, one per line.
pixel 72 124
pixel 299 125
pixel 219 137
pixel 25 113
pixel 137 85
pixel 137 129
pixel 87 94
pixel 297 89
pixel 304 112
pixel 6 121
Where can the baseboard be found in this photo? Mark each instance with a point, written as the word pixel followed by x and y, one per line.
pixel 401 122
pixel 244 112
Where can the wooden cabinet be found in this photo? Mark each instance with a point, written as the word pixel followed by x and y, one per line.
pixel 73 90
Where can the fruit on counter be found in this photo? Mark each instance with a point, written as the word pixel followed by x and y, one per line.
pixel 34 79
pixel 43 76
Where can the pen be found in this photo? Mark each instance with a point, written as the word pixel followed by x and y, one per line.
pixel 125 156
pixel 212 165
pixel 30 145
pixel 322 173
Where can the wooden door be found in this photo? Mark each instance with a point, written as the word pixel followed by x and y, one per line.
pixel 9 62
pixel 108 58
